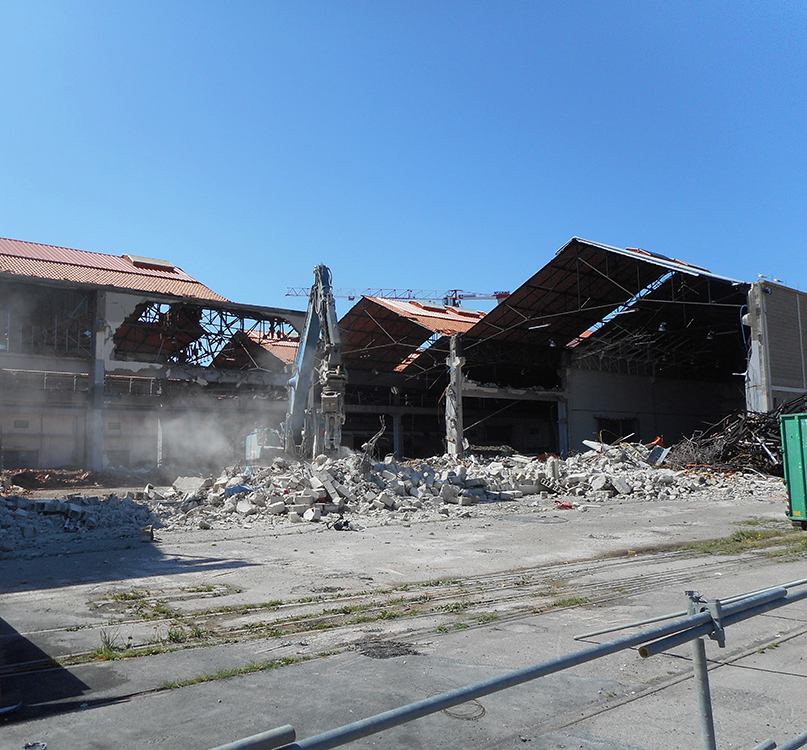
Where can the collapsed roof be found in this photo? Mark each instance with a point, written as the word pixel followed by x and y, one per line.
pixel 607 307
pixel 255 350
pixel 382 334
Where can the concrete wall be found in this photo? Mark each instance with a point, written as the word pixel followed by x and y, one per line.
pixel 54 436
pixel 669 408
pixel 777 365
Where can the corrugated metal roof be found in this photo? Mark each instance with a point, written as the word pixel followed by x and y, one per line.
pixel 34 260
pixel 581 285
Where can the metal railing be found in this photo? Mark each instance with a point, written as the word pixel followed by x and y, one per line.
pixel 701 619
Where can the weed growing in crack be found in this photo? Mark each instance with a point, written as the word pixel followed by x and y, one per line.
pixel 176 635
pixel 197 631
pixel 111 646
pixel 224 674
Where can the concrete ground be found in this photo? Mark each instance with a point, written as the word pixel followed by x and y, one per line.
pixel 366 621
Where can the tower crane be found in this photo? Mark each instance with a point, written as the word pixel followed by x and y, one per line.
pixel 448 297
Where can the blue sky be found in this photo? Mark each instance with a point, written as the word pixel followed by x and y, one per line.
pixel 405 144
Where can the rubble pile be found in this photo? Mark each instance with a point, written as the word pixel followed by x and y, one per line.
pixel 24 520
pixel 352 493
pixel 340 492
pixel 740 441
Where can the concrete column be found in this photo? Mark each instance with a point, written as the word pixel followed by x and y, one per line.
pixel 758 391
pixel 563 429
pixel 95 412
pixel 454 427
pixel 397 435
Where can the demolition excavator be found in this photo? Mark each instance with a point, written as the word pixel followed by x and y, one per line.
pixel 317 385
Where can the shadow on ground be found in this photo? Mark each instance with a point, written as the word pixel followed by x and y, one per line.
pixel 118 560
pixel 30 680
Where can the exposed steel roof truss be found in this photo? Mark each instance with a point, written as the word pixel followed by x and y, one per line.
pixel 189 334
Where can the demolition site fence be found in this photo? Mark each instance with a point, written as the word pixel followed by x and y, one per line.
pixel 701 619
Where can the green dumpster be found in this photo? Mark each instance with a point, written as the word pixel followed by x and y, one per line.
pixel 794 456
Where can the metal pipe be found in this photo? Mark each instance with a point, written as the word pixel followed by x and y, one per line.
pixel 765 745
pixel 417 710
pixel 732 613
pixel 701 669
pixel 665 644
pixel 271 740
pixel 692 624
pixel 795 743
pixel 704 694
pixel 683 612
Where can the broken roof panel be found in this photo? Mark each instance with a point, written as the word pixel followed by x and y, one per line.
pixel 382 333
pixel 62 264
pixel 250 350
pixel 582 285
pixel 284 349
pixel 437 318
pixel 686 326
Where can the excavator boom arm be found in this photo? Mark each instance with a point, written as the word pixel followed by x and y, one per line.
pixel 316 389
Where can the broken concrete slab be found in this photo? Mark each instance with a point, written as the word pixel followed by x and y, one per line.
pixel 312 514
pixel 246 508
pixel 189 485
pixel 621 485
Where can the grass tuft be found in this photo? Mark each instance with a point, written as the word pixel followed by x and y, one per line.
pixel 177 635
pixel 128 596
pixel 111 646
pixel 203 589
pixel 224 674
pixel 742 540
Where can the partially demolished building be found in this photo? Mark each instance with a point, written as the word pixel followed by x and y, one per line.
pixel 119 360
pixel 600 342
pixel 126 361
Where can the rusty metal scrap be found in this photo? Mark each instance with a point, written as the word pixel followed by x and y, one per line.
pixel 745 440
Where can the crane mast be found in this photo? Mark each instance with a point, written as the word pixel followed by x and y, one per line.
pixel 317 386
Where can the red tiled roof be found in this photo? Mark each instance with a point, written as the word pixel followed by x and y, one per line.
pixel 437 318
pixel 19 258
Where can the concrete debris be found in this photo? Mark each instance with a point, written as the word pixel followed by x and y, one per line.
pixel 188 485
pixel 24 520
pixel 351 493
